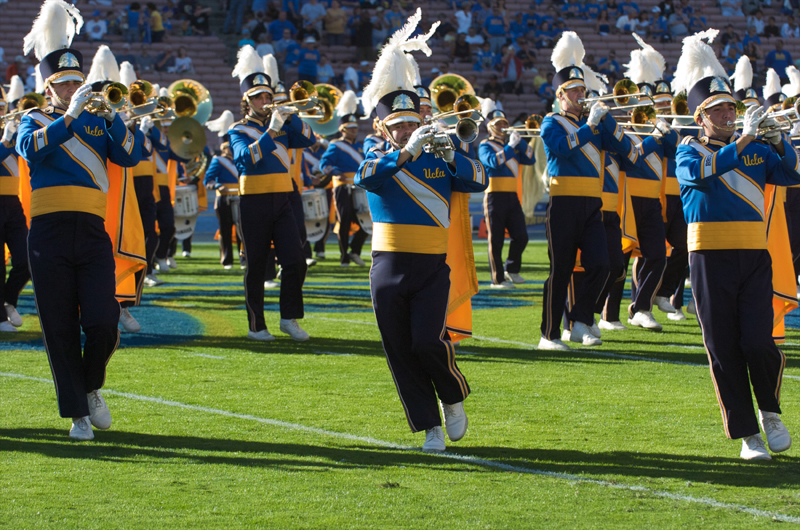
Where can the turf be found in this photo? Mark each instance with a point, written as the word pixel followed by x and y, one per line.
pixel 214 431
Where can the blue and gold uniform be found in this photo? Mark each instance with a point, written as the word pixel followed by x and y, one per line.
pixel 675 229
pixel 374 140
pixel 409 278
pixel 311 163
pixel 501 205
pixel 266 213
pixel 342 159
pixel 223 177
pixel 143 182
pixel 165 213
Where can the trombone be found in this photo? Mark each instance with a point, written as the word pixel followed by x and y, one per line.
pixel 163 105
pixel 624 91
pixel 465 104
pixel 531 128
pixel 302 99
pixel 29 101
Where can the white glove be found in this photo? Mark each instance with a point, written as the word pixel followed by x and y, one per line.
pixel 597 113
pixel 146 124
pixel 277 120
pixel 8 132
pixel 795 129
pixel 752 118
pixel 79 101
pixel 419 138
pixel 108 115
pixel 662 126
pixel 449 155
pixel 775 136
pixel 514 139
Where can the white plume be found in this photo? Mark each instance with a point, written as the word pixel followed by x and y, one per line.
pixel 743 74
pixel 156 89
pixel 127 75
pixel 393 71
pixel 594 81
pixel 772 85
pixel 104 66
pixel 697 61
pixel 793 88
pixel 270 65
pixel 39 80
pixel 221 124
pixel 655 61
pixel 487 107
pixel 568 51
pixel 247 62
pixel 58 22
pixel 163 92
pixel 15 90
pixel 415 66
pixel 348 103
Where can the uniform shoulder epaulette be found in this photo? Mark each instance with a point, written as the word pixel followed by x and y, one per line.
pixel 47 110
pixel 376 149
pixel 243 121
pixel 551 114
pixel 688 139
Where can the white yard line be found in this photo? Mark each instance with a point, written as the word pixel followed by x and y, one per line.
pixel 450 456
pixel 207 356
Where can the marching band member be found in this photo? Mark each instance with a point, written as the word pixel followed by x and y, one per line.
pixel 223 177
pixel 13 225
pixel 312 177
pixel 573 146
pixel 409 193
pixel 792 205
pixel 376 138
pixel 259 143
pixel 70 255
pixel 165 212
pixel 341 159
pixel 503 155
pixel 722 177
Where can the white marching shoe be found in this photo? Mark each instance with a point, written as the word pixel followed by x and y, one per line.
pixel 778 437
pixel 171 263
pixel 513 277
pixel 677 315
pixel 455 420
pixel 187 254
pixel 310 262
pixel 127 321
pixel 13 315
pixel 271 284
pixel 355 258
pixel 434 440
pixel 227 267
pixel 690 307
pixel 644 319
pixel 162 265
pixel 546 344
pixel 595 329
pixel 611 326
pixel 81 429
pixel 581 333
pixel 293 329
pixel 151 280
pixel 663 305
pixel 753 448
pixel 99 415
pixel 8 327
pixel 263 335
pixel 503 285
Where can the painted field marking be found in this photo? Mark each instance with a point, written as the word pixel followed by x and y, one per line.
pixel 450 456
pixel 207 356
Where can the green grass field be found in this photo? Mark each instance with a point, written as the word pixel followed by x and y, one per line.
pixel 214 431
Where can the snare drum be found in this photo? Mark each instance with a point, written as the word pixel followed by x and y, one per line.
pixel 315 211
pixel 186 210
pixel 361 207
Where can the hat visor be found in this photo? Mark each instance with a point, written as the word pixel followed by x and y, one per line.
pixel 257 90
pixel 348 126
pixel 718 99
pixel 66 77
pixel 394 119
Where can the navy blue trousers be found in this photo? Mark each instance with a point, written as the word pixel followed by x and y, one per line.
pixel 222 207
pixel 14 233
pixel 268 218
pixel 573 223
pixel 733 294
pixel 72 264
pixel 648 269
pixel 409 296
pixel 147 209
pixel 319 246
pixel 792 207
pixel 347 215
pixel 610 312
pixel 504 212
pixel 675 273
pixel 166 222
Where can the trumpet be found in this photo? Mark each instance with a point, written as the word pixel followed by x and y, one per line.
pixel 302 98
pixel 465 104
pixel 114 96
pixel 624 91
pixel 530 129
pixel 466 130
pixel 163 105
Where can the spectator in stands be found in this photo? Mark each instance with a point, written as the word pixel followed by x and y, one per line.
pixel 278 27
pixel 628 21
pixel 157 30
pixel 95 28
pixel 335 24
pixel 511 67
pixel 285 45
pixel 183 63
pixel 364 74
pixel 379 32
pixel 313 14
pixel 325 71
pixel 603 26
pixel 113 23
pixel 165 62
pixel 751 37
pixel 493 86
pixel 518 27
pixel 463 18
pixel 291 7
pixel 475 39
pixel 307 60
pixel 538 80
pixel 643 24
pixel 728 34
pixel 485 60
pixel 264 47
pixel 246 40
pixel 779 59
pixel 494 28
pixel 772 29
pixel 526 54
pixel 731 8
pixel 236 10
pixel 625 7
pixel 198 19
pixel 790 28
pixel 729 59
pixel 591 10
pixel 350 79
pixel 547 93
pixel 608 65
pixel 145 63
pixel 756 21
pixel 259 5
pixel 258 26
pixel 362 38
pixel 133 33
pixel 544 36
pixel 666 8
pixel 460 51
pixel 572 10
pixel 678 25
pixel 394 19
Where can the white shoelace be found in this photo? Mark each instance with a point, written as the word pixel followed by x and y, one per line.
pixel 98 402
pixel 755 442
pixel 451 410
pixel 772 423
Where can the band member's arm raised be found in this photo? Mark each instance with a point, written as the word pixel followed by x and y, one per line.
pixel 470 175
pixel 783 170
pixel 299 133
pixel 693 169
pixel 211 178
pixel 327 164
pixel 561 143
pixel 249 153
pixel 35 142
pixel 375 169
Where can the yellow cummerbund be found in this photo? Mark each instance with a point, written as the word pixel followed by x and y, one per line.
pixel 271 183
pixel 502 184
pixel 228 191
pixel 417 239
pixel 732 235
pixel 672 187
pixel 145 168
pixel 9 185
pixel 68 199
pixel 344 178
pixel 649 189
pixel 162 179
pixel 576 186
pixel 610 201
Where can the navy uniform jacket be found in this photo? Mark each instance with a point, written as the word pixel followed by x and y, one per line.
pixel 263 162
pixel 311 160
pixel 222 171
pixel 645 176
pixel 375 141
pixel 68 164
pixel 463 148
pixel 611 181
pixel 410 205
pixel 162 154
pixel 146 167
pixel 723 192
pixel 9 169
pixel 342 159
pixel 502 163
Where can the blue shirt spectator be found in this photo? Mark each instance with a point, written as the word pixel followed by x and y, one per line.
pixel 592 10
pixel 364 77
pixel 308 59
pixel 494 26
pixel 546 90
pixel 622 7
pixel 518 26
pixel 778 59
pixel 751 38
pixel 486 60
pixel 286 44
pixel 394 19
pixel 277 26
pixel 609 65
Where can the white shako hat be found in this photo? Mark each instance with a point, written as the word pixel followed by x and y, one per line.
pixel 250 71
pixel 743 82
pixel 15 90
pixel 50 39
pixel 700 74
pixel 792 89
pixel 270 65
pixel 772 89
pixel 646 69
pixel 347 109
pixel 104 69
pixel 596 84
pixel 127 75
pixel 567 59
pixel 221 124
pixel 391 91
